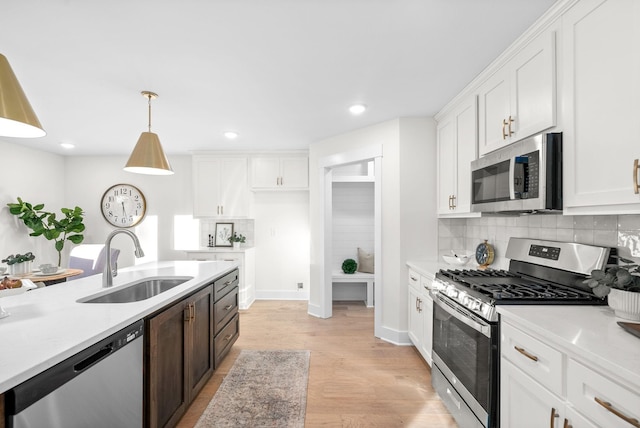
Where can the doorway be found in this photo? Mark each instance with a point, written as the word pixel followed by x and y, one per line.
pixel 335 165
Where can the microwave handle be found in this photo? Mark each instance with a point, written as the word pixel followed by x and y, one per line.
pixel 512 177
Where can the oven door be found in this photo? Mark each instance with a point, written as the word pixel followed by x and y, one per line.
pixel 465 350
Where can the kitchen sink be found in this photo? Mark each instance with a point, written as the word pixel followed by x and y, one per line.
pixel 136 291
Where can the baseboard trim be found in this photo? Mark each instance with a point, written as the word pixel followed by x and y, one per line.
pixel 282 295
pixel 396 337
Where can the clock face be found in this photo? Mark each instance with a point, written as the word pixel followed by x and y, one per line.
pixel 484 254
pixel 123 205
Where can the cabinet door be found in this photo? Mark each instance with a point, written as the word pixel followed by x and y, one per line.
pixel 601 81
pixel 167 356
pixel 533 88
pixel 494 108
pixel 427 332
pixel 416 323
pixel 265 173
pixel 234 192
pixel 466 151
pixel 447 174
pixel 206 186
pixel 294 173
pixel 200 362
pixel 524 403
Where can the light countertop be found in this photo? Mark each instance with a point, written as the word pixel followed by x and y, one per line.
pixel 587 333
pixel 429 268
pixel 219 250
pixel 47 325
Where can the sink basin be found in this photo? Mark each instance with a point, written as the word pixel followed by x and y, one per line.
pixel 139 290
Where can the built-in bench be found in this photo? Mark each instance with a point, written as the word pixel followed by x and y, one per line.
pixel 357 277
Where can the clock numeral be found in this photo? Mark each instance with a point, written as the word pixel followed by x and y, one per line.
pixel 107 206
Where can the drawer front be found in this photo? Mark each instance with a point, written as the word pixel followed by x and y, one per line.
pixel 225 339
pixel 224 285
pixel 426 283
pixel 414 279
pixel 225 309
pixel 600 399
pixel 541 362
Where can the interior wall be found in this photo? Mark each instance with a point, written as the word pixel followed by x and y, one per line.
pixel 36 177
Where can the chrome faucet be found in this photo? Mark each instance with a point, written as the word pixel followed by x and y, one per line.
pixel 108 273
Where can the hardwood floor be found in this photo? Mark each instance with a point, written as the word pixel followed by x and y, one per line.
pixel 355 380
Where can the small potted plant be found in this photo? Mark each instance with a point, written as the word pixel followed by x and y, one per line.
pixel 19 264
pixel 621 283
pixel 236 239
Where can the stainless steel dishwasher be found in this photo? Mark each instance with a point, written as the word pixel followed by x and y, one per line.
pixel 101 386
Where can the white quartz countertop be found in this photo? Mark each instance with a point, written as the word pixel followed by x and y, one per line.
pixel 429 268
pixel 587 333
pixel 219 250
pixel 47 325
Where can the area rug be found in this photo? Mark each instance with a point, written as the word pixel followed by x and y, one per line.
pixel 262 389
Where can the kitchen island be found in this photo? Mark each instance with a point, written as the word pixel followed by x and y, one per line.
pixel 48 325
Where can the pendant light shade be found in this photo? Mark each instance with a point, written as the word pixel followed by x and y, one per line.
pixel 17 118
pixel 147 156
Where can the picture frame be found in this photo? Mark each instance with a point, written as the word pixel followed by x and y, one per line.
pixel 224 231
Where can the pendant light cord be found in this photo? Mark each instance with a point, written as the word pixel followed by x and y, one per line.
pixel 149 97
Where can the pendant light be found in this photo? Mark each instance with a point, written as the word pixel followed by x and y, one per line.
pixel 147 156
pixel 17 118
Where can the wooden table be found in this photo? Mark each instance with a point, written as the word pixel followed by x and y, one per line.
pixel 54 278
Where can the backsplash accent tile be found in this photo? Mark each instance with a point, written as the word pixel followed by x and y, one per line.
pixel 622 231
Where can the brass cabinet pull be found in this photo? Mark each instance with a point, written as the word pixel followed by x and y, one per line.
pixel 228 336
pixel 193 305
pixel 511 120
pixel 554 415
pixel 618 413
pixel 635 177
pixel 504 126
pixel 187 313
pixel 453 202
pixel 526 354
pixel 413 278
pixel 567 424
pixel 226 308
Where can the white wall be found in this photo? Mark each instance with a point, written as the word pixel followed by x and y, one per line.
pixel 353 221
pixel 409 225
pixel 36 177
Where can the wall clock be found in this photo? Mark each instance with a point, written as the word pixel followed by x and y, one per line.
pixel 485 254
pixel 123 205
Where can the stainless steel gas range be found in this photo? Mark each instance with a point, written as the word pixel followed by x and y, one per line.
pixel 466 339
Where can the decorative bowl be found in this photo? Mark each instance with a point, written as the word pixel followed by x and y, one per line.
pixel 48 269
pixel 457 259
pixel 625 304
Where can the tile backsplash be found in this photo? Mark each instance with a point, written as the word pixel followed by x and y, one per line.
pixel 622 231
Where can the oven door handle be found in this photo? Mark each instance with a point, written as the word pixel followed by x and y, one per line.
pixel 463 315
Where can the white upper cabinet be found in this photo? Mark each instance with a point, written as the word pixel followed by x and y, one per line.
pixel 601 95
pixel 457 147
pixel 281 173
pixel 220 186
pixel 519 100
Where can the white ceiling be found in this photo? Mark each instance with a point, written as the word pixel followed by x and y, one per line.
pixel 282 73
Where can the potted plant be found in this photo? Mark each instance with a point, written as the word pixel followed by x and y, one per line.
pixel 236 239
pixel 622 286
pixel 68 228
pixel 19 264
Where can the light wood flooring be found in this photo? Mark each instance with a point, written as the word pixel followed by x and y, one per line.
pixel 355 380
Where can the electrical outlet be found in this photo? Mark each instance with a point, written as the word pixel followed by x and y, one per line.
pixel 300 285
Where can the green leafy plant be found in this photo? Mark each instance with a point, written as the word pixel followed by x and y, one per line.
pixel 237 237
pixel 349 266
pixel 625 278
pixel 67 228
pixel 18 258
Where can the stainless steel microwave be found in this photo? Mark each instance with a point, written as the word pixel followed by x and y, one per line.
pixel 523 177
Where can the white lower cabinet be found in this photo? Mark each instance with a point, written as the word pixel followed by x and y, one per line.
pixel 246 268
pixel 420 314
pixel 541 386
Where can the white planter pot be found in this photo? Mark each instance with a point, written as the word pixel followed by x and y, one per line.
pixel 625 304
pixel 236 245
pixel 20 268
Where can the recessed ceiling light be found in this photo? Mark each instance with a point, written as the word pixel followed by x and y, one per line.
pixel 231 135
pixel 357 108
pixel 67 146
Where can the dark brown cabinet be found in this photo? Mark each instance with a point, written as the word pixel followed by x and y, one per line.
pixel 226 319
pixel 179 358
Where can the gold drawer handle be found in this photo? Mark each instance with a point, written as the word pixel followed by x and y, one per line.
pixel 618 413
pixel 226 308
pixel 511 120
pixel 553 416
pixel 635 177
pixel 567 424
pixel 227 337
pixel 504 126
pixel 526 354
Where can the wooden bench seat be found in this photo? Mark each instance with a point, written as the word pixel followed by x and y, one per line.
pixel 357 277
